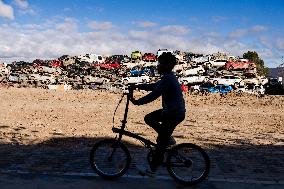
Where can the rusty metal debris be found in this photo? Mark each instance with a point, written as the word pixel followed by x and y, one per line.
pixel 93 71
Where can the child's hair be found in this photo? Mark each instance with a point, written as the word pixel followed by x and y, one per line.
pixel 169 59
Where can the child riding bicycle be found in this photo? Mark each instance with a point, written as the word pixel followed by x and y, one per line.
pixel 164 120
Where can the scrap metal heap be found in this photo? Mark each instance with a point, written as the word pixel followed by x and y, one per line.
pixel 93 71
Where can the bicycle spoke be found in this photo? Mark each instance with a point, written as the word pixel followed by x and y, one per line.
pixel 188 164
pixel 110 158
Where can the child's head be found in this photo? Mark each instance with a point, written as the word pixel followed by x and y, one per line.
pixel 166 63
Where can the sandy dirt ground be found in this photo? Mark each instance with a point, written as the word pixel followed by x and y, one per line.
pixel 30 116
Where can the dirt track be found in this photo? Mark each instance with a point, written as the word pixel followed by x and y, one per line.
pixel 35 115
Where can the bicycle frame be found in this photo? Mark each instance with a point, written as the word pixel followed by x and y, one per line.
pixel 121 131
pixel 172 160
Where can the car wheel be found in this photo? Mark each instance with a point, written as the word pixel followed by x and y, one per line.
pixel 237 84
pixel 205 92
pixel 185 82
pixel 78 78
pixel 195 91
pixel 208 65
pixel 125 81
pixel 88 80
pixel 86 86
pixel 144 81
pixel 199 72
pixel 239 93
pixel 147 73
pixel 206 79
pixel 215 82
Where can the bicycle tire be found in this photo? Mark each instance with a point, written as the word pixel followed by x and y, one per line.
pixel 187 163
pixel 110 158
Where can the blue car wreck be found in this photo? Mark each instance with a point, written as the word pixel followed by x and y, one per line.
pixel 223 89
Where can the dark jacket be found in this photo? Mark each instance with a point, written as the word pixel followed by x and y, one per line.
pixel 169 88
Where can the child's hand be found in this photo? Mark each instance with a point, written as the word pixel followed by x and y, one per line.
pixel 132 87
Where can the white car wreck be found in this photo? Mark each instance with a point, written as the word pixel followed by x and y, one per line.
pixel 47 79
pixel 193 79
pixel 228 80
pixel 216 63
pixel 139 79
pixel 95 79
pixel 193 71
pixel 254 90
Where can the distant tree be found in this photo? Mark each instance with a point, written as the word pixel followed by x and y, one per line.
pixel 260 67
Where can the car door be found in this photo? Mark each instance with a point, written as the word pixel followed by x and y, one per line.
pixel 222 80
pixel 234 80
pixel 199 78
pixel 223 89
pixel 228 80
pixel 218 88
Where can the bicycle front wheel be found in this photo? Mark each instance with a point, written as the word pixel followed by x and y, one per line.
pixel 188 164
pixel 110 159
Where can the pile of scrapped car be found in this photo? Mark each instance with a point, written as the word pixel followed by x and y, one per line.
pixel 201 73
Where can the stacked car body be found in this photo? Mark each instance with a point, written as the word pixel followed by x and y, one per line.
pixel 193 70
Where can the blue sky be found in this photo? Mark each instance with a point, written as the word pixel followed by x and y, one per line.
pixel 49 28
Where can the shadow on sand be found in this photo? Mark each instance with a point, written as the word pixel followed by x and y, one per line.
pixel 71 154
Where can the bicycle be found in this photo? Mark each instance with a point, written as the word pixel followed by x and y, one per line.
pixel 111 159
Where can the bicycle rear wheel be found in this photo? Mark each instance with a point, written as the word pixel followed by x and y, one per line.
pixel 110 159
pixel 188 164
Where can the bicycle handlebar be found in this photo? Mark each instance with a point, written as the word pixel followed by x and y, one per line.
pixel 129 89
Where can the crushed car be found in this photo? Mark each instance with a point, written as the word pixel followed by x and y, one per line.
pixel 43 78
pixel 240 64
pixel 96 79
pixel 193 79
pixel 227 80
pixel 138 79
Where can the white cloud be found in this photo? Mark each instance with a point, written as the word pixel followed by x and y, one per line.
pixel 61 36
pixel 265 42
pixel 266 53
pixel 69 25
pixel 257 29
pixel 67 9
pixel 238 33
pixel 219 18
pixel 212 34
pixel 6 11
pixel 140 35
pixel 249 31
pixel 175 29
pixel 99 9
pixel 33 26
pixel 280 43
pixel 100 25
pixel 24 7
pixel 146 24
pixel 22 4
